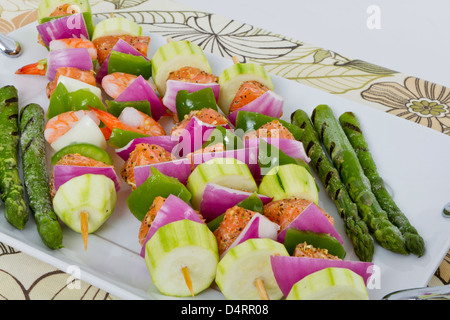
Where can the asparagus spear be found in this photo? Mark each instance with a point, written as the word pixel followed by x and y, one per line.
pixel 16 210
pixel 352 128
pixel 355 228
pixel 32 142
pixel 358 185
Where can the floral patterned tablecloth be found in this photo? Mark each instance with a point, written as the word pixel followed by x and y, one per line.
pixel 388 90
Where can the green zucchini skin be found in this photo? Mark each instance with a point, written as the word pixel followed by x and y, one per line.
pixel 355 228
pixel 36 179
pixel 352 128
pixel 358 185
pixel 16 209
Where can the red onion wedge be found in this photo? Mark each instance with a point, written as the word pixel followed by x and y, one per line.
pixel 120 46
pixel 71 26
pixel 311 219
pixel 179 169
pixel 72 57
pixel 290 147
pixel 173 86
pixel 218 199
pixel 63 173
pixel 288 269
pixel 139 90
pixel 258 227
pixel 173 209
pixel 194 136
pixel 269 104
pixel 167 142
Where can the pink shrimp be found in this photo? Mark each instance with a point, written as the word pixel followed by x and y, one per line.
pixel 116 82
pixel 60 124
pixel 131 119
pixel 74 43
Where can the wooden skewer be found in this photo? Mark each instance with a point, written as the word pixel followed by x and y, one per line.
pixel 235 60
pixel 259 284
pixel 169 39
pixel 84 227
pixel 187 279
pixel 111 15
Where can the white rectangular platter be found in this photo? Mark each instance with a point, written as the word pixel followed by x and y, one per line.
pixel 412 159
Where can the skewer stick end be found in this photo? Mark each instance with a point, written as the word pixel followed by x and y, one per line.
pixel 187 279
pixel 84 228
pixel 235 60
pixel 259 284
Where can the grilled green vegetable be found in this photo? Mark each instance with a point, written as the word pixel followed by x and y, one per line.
pixel 32 142
pixel 16 210
pixel 355 228
pixel 352 128
pixel 358 185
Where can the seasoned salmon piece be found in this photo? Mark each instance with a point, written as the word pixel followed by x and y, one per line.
pixel 234 221
pixel 143 154
pixel 308 251
pixel 283 212
pixel 273 129
pixel 248 91
pixel 75 159
pixel 193 75
pixel 149 218
pixel 206 115
pixel 105 44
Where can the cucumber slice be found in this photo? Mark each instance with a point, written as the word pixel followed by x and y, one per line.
pixel 46 7
pixel 90 193
pixel 183 243
pixel 289 181
pixel 85 149
pixel 246 262
pixel 226 172
pixel 173 56
pixel 233 77
pixel 330 284
pixel 117 26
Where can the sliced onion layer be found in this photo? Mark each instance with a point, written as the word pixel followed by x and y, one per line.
pixel 290 147
pixel 64 173
pixel 166 142
pixel 289 270
pixel 258 227
pixel 311 219
pixel 73 57
pixel 173 209
pixel 140 89
pixel 179 169
pixel 269 104
pixel 217 199
pixel 71 26
pixel 173 86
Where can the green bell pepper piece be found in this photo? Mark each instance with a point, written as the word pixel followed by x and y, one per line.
pixel 63 101
pixel 252 203
pixel 116 107
pixel 317 240
pixel 197 100
pixel 84 149
pixel 249 121
pixel 120 138
pixel 128 63
pixel 158 184
pixel 222 135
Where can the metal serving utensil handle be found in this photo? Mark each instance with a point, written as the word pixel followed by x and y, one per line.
pixel 9 47
pixel 425 293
